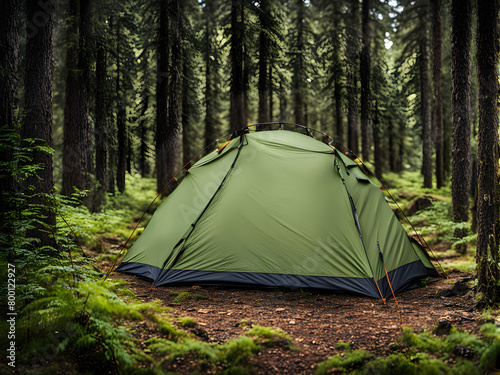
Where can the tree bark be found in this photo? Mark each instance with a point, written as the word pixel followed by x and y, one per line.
pixel 9 56
pixel 437 110
pixel 298 68
pixel 175 91
pixel 38 78
pixel 162 176
pixel 211 66
pixel 101 127
pixel 121 115
pixel 352 82
pixel 170 148
pixel 378 158
pixel 237 117
pixel 144 148
pixel 263 113
pixel 425 115
pixel 487 210
pixel 461 36
pixel 76 126
pixel 365 66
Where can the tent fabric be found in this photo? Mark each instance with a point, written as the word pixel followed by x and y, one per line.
pixel 278 209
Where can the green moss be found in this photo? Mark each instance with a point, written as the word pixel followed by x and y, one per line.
pixel 394 364
pixel 271 336
pixel 187 321
pixel 349 362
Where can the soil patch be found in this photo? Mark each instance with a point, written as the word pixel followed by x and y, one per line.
pixel 316 321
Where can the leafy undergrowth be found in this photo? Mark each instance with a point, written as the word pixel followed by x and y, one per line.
pixel 424 353
pixel 91 324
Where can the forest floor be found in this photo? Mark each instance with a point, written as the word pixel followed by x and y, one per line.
pixel 315 321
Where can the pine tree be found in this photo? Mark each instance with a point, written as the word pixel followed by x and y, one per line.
pixel 298 62
pixel 461 11
pixel 238 114
pixel 437 107
pixel 101 129
pixel 9 55
pixel 121 113
pixel 162 98
pixel 175 90
pixel 76 111
pixel 37 123
pixel 365 66
pixel 212 62
pixel 334 44
pixel 352 69
pixel 487 154
pixel 425 114
pixel 190 80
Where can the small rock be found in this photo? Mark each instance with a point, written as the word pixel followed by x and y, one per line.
pixel 463 351
pixel 443 328
pixel 203 311
pixel 417 205
pixel 280 309
pixel 291 322
pixel 202 334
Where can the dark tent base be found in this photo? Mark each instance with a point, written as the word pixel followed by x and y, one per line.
pixel 402 278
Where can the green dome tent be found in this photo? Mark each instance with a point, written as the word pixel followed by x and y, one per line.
pixel 278 209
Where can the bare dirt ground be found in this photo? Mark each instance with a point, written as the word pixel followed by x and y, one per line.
pixel 315 321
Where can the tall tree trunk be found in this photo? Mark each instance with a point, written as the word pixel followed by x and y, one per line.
pixel 211 64
pixel 144 148
pixel 437 108
pixel 130 153
pixel 175 93
pixel 365 66
pixel 271 92
pixel 263 62
pixel 85 58
pixel 393 157
pixel 101 127
pixel 425 114
pixel 76 110
pixel 162 176
pixel 461 36
pixel 237 118
pixel 282 98
pixel 298 68
pixel 338 76
pixel 378 158
pixel 38 78
pixel 121 115
pixel 246 69
pixel 352 81
pixel 188 110
pixel 9 55
pixel 339 122
pixel 487 210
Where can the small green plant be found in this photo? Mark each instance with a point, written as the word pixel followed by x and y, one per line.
pixel 268 336
pixel 198 297
pixel 185 296
pixel 345 346
pixel 349 362
pixel 187 321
